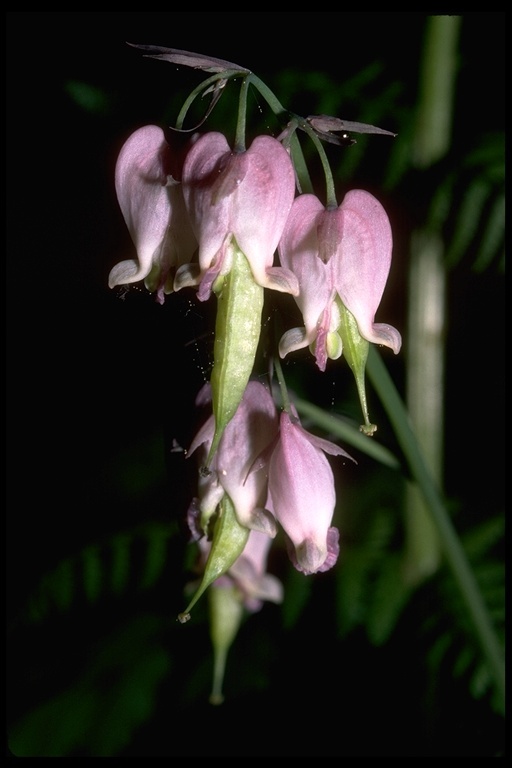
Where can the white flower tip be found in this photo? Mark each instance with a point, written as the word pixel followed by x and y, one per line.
pixel 125 272
pixel 383 334
pixel 270 588
pixel 186 276
pixel 388 336
pixel 310 556
pixel 295 338
pixel 282 280
pixel 263 521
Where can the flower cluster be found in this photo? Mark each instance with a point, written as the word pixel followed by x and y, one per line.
pixel 232 221
pixel 272 471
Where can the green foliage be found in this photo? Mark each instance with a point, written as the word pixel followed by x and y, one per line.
pixel 447 631
pixel 469 205
pixel 129 560
pixel 371 590
pixel 107 698
pixel 97 713
pixel 368 96
pixel 372 593
pixel 88 97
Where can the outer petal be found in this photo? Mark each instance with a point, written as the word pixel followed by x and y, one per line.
pixel 363 263
pixel 249 572
pixel 301 488
pixel 209 215
pixel 250 431
pixel 247 195
pixel 153 208
pixel 263 204
pixel 309 550
pixel 298 252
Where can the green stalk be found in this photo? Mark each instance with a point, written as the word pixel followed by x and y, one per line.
pixel 426 320
pixel 440 519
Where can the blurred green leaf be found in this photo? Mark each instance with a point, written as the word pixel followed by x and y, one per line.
pixel 108 568
pixel 88 97
pixel 97 714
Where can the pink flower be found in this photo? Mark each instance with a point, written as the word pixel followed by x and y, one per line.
pixel 232 470
pixel 302 495
pixel 151 200
pixel 341 254
pixel 237 200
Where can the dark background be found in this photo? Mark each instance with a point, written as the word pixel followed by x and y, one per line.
pixel 92 372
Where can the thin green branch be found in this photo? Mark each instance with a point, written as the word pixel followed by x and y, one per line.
pixel 452 547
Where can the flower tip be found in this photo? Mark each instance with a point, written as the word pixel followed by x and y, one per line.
pixel 216 699
pixel 310 556
pixel 183 617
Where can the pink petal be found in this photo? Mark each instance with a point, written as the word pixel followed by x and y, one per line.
pixel 298 251
pixel 301 487
pixel 152 205
pixel 363 263
pixel 246 195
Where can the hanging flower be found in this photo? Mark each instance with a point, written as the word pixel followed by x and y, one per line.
pixel 341 255
pixel 231 495
pixel 151 200
pixel 302 495
pixel 237 201
pixel 253 427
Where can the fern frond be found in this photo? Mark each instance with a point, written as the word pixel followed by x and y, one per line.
pixel 130 560
pixel 449 633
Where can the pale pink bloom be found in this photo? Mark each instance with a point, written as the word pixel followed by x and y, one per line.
pixel 344 252
pixel 237 200
pixel 232 469
pixel 151 201
pixel 302 494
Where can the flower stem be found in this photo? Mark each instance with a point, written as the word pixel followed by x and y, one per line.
pixel 286 115
pixel 285 400
pixel 242 117
pixel 453 549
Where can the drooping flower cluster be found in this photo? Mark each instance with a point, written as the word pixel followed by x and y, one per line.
pixel 272 471
pixel 232 221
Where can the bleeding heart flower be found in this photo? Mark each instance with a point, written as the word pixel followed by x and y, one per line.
pixel 151 200
pixel 341 254
pixel 237 201
pixel 302 495
pixel 252 428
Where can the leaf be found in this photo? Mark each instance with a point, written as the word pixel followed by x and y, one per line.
pixel 103 569
pixel 388 599
pixel 189 59
pixel 90 717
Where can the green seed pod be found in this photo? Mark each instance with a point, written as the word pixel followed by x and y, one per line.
pixel 229 540
pixel 237 333
pixel 226 614
pixel 355 351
